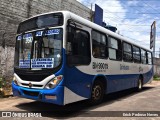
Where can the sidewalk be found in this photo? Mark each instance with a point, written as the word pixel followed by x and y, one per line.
pixel 153 84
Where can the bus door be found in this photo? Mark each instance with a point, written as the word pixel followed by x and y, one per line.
pixel 78 57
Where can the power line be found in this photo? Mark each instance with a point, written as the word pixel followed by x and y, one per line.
pixel 128 18
pixel 129 6
pixel 134 24
pixel 136 31
pixel 133 13
pixel 134 0
pixel 151 7
pixel 129 27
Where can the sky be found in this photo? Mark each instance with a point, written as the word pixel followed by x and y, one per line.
pixel 133 18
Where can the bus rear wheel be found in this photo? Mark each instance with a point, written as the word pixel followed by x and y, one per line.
pixel 97 93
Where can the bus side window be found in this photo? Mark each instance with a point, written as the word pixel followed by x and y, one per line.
pixel 78 47
pixel 136 54
pixel 127 52
pixel 143 56
pixel 115 49
pixel 149 57
pixel 99 45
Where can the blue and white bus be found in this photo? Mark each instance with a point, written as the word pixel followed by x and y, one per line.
pixel 62 58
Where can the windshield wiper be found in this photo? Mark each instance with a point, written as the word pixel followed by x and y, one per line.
pixel 22 48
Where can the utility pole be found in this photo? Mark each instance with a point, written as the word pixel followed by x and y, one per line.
pixel 154 45
pixel 153 39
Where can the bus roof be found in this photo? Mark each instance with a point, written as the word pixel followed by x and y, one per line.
pixel 90 24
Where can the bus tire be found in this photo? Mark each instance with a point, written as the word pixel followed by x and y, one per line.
pixel 97 93
pixel 140 84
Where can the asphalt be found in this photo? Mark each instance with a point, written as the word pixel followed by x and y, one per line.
pixel 124 105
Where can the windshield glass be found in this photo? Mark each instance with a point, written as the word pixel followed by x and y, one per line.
pixel 40 49
pixel 43 21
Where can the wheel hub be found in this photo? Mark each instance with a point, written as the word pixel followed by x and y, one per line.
pixel 140 85
pixel 97 92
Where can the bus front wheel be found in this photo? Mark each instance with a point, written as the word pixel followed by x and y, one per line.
pixel 97 93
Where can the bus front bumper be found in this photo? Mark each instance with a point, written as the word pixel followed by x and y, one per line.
pixel 54 96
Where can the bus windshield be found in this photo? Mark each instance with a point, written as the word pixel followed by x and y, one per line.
pixel 39 49
pixel 43 21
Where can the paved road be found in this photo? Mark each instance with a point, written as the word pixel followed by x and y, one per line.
pixel 129 100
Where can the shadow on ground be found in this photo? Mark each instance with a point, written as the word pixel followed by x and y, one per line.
pixel 76 109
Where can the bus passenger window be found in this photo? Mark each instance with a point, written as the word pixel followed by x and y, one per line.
pixel 143 56
pixel 99 45
pixel 149 57
pixel 136 54
pixel 115 52
pixel 127 52
pixel 96 51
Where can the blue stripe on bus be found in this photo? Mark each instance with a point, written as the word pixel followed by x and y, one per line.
pixel 77 81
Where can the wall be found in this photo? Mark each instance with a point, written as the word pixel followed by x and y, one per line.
pixel 157 66
pixel 12 12
pixel 6 61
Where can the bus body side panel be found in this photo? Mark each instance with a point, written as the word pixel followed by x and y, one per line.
pixel 120 82
pixel 77 82
pixel 147 77
pixel 116 78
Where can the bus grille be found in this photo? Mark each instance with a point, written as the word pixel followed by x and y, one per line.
pixel 31 93
pixel 27 85
pixel 35 78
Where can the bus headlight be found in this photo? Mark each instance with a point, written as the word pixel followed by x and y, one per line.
pixel 15 81
pixel 54 82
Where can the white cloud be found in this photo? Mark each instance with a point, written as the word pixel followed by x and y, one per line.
pixel 115 13
pixel 132 2
pixel 137 33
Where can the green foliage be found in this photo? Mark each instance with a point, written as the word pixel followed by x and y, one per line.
pixel 5 86
pixel 2 82
pixel 156 77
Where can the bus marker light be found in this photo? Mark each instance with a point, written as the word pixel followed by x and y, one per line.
pixel 59 77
